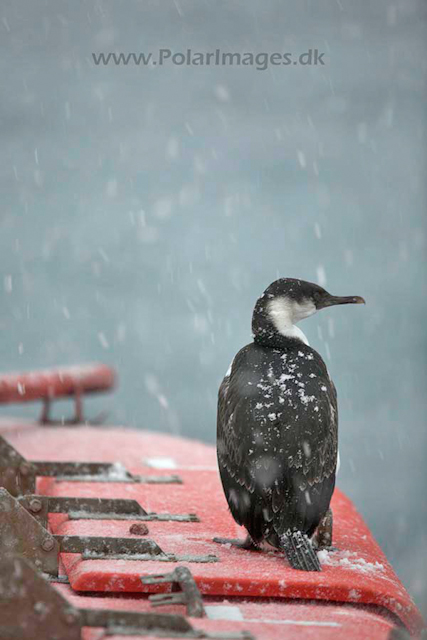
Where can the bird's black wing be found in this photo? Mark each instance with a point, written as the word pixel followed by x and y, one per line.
pixel 236 401
pixel 302 494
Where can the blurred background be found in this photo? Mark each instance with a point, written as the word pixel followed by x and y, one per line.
pixel 145 208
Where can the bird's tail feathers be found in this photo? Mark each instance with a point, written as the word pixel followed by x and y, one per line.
pixel 299 551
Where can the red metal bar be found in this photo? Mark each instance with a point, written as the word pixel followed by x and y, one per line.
pixel 55 383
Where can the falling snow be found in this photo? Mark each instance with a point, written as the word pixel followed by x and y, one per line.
pixel 145 209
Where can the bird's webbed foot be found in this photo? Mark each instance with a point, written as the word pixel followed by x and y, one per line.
pixel 247 544
pixel 322 539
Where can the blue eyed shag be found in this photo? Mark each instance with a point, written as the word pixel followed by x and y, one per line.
pixel 277 428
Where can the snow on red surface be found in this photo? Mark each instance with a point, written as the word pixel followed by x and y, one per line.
pixel 358 572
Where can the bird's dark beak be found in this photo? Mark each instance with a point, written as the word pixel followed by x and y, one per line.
pixel 330 301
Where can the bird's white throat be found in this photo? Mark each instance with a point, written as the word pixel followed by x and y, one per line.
pixel 285 313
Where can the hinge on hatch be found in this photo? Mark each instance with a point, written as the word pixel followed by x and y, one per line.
pixel 18 475
pixel 28 602
pixel 23 534
pixel 81 508
pixel 184 591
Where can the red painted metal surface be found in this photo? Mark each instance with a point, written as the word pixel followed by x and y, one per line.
pixel 357 572
pixel 265 619
pixel 55 383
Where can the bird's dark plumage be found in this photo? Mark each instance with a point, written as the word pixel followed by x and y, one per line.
pixel 277 434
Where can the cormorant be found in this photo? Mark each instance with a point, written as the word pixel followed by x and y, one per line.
pixel 277 428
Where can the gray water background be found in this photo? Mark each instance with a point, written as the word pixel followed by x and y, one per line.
pixel 143 210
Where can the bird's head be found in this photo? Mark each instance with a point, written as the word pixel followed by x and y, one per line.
pixel 287 301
